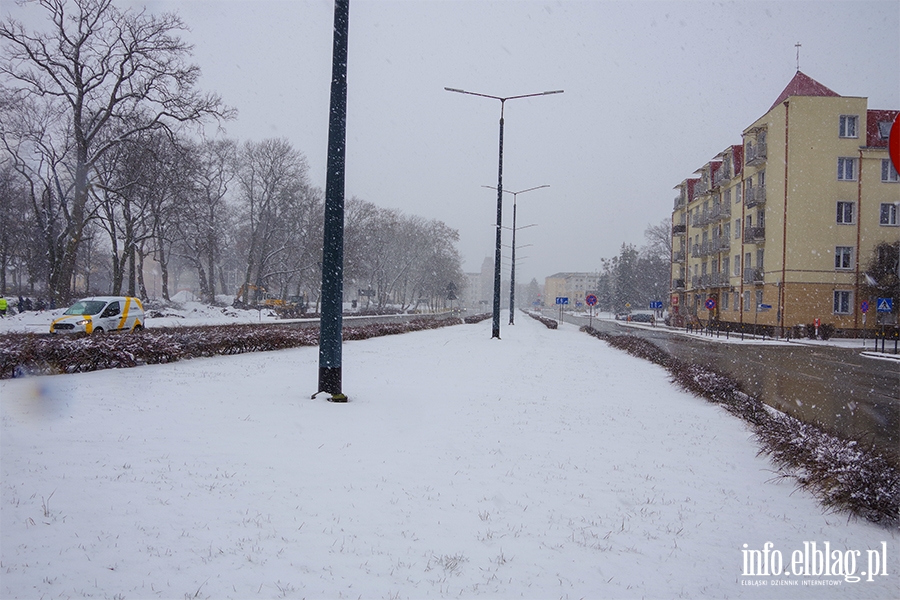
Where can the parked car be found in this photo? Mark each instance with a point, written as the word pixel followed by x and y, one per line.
pixel 101 314
pixel 642 318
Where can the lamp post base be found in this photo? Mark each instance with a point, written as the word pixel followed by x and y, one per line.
pixel 330 383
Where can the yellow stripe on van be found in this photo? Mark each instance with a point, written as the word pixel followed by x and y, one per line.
pixel 124 314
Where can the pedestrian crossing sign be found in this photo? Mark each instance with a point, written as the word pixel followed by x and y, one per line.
pixel 885 305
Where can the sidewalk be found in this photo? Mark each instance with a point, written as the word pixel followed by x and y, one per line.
pixel 544 464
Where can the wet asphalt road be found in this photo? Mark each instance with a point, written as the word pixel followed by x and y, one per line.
pixel 847 393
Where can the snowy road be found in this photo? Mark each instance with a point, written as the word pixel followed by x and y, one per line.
pixel 541 465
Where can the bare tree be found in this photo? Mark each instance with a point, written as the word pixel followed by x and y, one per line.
pixel 204 212
pixel 96 68
pixel 273 184
pixel 659 240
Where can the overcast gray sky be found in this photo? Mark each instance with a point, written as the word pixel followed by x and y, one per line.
pixel 653 90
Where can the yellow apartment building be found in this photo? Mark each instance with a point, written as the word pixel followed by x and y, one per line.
pixel 776 231
pixel 574 286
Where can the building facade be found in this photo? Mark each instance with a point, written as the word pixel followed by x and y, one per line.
pixel 574 286
pixel 777 230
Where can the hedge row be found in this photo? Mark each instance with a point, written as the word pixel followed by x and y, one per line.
pixel 843 474
pixel 31 354
pixel 549 323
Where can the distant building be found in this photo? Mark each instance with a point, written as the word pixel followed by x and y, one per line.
pixel 775 230
pixel 574 286
pixel 479 293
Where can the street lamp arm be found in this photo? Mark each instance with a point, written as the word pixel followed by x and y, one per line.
pixel 529 189
pixel 475 94
pixel 502 98
pixel 491 187
pixel 533 95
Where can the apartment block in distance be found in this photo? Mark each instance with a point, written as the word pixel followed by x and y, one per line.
pixel 777 230
pixel 574 286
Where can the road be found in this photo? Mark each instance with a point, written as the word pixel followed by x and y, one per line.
pixel 846 393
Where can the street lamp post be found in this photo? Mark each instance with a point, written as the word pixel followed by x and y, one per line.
pixel 512 276
pixel 496 312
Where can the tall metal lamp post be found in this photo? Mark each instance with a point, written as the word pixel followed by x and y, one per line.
pixel 512 275
pixel 331 321
pixel 496 312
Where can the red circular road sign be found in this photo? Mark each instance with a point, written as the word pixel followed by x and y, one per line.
pixel 894 143
pixel 590 299
pixel 710 303
pixel 864 307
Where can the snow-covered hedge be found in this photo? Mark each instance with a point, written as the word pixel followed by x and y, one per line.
pixel 844 474
pixel 30 354
pixel 548 323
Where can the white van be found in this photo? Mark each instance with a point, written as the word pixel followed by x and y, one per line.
pixel 101 314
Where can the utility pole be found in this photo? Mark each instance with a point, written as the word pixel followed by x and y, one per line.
pixel 331 321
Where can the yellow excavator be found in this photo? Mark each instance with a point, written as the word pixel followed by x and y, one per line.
pixel 259 297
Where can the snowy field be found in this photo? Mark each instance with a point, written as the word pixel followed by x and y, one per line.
pixel 543 465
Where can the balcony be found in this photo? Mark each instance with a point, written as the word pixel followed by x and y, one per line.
pixel 700 188
pixel 723 175
pixel 678 256
pixel 754 196
pixel 679 201
pixel 720 211
pixel 724 280
pixel 720 244
pixel 753 276
pixel 702 219
pixel 754 235
pixel 695 251
pixel 679 229
pixel 678 284
pixel 756 155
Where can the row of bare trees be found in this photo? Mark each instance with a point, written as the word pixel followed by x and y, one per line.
pixel 103 169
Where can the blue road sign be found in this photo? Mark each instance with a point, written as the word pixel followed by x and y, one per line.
pixel 764 307
pixel 562 300
pixel 885 305
pixel 656 305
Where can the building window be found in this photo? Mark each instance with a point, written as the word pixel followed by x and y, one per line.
pixel 888 214
pixel 888 172
pixel 843 257
pixel 845 213
pixel 848 126
pixel 737 266
pixel 747 301
pixel 737 229
pixel 842 302
pixel 846 169
pixel 884 129
pixel 735 304
pixel 737 195
pixel 759 298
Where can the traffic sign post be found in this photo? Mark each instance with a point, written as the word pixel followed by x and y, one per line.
pixel 886 306
pixel 864 308
pixel 591 300
pixel 561 301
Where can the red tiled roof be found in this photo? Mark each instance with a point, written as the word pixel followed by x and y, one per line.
pixel 803 85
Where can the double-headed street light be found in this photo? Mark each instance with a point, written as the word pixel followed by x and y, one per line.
pixel 496 312
pixel 512 275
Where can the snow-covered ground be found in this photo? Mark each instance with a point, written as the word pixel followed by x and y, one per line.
pixel 542 465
